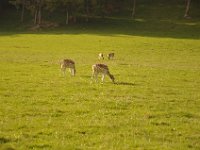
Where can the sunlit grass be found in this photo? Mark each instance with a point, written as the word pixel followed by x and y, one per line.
pixel 154 104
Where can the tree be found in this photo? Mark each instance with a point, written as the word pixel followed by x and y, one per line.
pixel 188 2
pixel 133 10
pixel 23 8
pixel 18 4
pixel 38 6
pixel 69 6
pixel 86 4
pixel 100 7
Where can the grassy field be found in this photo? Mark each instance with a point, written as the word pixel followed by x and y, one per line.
pixel 155 103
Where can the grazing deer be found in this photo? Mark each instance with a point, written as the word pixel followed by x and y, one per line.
pixel 111 55
pixel 101 56
pixel 68 63
pixel 101 69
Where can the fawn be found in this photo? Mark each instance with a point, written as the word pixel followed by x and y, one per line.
pixel 68 63
pixel 101 56
pixel 111 55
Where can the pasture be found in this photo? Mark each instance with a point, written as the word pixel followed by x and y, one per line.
pixel 155 103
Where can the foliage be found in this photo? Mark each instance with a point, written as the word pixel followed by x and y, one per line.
pixel 102 8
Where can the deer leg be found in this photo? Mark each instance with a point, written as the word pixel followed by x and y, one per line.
pixel 70 71
pixel 73 71
pixel 103 76
pixel 63 71
pixel 94 76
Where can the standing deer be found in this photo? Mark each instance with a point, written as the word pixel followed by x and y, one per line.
pixel 68 63
pixel 111 55
pixel 101 56
pixel 101 69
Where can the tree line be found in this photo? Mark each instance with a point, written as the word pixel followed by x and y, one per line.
pixel 74 8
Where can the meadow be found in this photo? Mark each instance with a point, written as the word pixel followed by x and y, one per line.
pixel 155 103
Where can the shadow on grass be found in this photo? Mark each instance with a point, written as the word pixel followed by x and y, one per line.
pixel 163 28
pixel 4 140
pixel 125 83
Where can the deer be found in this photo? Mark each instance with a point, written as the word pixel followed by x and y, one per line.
pixel 101 69
pixel 101 56
pixel 111 55
pixel 68 63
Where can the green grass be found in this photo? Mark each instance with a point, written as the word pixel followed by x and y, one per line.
pixel 154 105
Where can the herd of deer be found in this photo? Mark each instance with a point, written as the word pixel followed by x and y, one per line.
pixel 96 68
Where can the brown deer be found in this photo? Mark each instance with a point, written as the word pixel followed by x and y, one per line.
pixel 111 55
pixel 101 69
pixel 68 63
